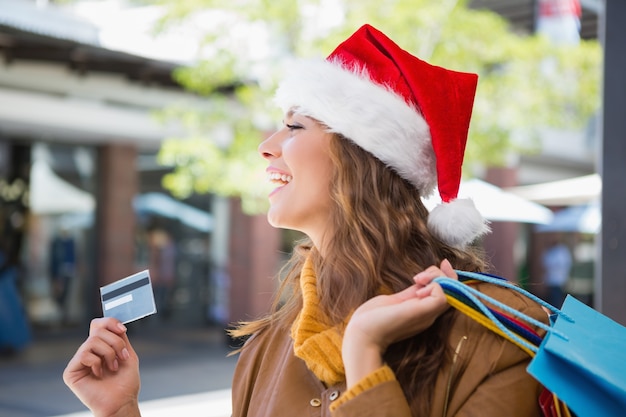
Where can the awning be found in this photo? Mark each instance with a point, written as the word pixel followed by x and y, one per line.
pixel 47 21
pixel 569 192
pixel 166 206
pixel 584 218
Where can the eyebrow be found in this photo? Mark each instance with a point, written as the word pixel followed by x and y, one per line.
pixel 288 115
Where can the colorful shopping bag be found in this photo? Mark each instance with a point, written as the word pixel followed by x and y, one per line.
pixel 580 360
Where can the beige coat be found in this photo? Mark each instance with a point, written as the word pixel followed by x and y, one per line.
pixel 488 378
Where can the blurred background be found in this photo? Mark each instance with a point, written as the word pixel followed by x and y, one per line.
pixel 128 135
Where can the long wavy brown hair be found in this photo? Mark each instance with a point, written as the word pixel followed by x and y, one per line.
pixel 379 240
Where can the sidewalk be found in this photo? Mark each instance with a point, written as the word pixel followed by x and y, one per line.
pixel 210 404
pixel 183 372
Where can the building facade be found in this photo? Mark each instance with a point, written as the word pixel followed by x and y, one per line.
pixel 77 148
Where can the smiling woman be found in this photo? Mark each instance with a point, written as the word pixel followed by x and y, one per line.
pixel 359 328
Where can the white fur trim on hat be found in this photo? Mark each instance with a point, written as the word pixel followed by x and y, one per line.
pixel 458 223
pixel 372 116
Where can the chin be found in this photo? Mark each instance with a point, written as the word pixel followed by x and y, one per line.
pixel 279 222
pixel 273 218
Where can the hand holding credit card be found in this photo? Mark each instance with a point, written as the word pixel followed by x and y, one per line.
pixel 129 299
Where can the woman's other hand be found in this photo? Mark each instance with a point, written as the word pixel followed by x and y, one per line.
pixel 386 319
pixel 104 371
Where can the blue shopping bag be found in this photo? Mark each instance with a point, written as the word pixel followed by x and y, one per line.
pixel 581 359
pixel 588 369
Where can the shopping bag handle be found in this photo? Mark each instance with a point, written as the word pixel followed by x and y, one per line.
pixel 492 279
pixel 471 294
pixel 476 296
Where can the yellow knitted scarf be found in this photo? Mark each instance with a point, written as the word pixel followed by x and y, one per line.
pixel 315 340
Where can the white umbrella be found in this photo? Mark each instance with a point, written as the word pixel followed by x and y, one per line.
pixel 495 204
pixel 50 194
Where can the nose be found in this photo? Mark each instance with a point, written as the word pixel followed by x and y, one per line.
pixel 270 147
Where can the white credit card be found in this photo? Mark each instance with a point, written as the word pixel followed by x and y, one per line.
pixel 129 299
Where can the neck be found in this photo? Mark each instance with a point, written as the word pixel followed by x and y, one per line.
pixel 319 242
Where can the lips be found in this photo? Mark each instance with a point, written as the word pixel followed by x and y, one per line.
pixel 278 178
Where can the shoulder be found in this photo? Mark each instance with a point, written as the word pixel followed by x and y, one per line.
pixel 266 339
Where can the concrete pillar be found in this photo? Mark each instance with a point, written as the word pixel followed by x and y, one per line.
pixel 254 262
pixel 610 291
pixel 500 243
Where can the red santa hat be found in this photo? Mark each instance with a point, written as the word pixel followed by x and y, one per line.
pixel 411 115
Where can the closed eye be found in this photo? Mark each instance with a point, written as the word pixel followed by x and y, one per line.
pixel 292 127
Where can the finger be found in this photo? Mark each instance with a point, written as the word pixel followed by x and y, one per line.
pixel 109 323
pixel 105 352
pixel 91 355
pixel 437 291
pixel 102 348
pixel 432 290
pixel 128 351
pixel 426 276
pixel 82 363
pixel 406 293
pixel 447 269
pixel 434 297
pixel 114 334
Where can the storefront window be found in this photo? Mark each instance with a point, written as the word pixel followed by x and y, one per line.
pixel 58 245
pixel 49 235
pixel 173 241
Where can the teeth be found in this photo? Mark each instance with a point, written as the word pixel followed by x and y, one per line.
pixel 275 176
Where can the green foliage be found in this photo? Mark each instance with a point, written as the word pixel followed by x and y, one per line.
pixel 220 155
pixel 525 83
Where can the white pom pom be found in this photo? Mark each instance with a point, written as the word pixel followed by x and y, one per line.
pixel 457 223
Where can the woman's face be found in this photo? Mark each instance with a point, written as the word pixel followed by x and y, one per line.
pixel 300 167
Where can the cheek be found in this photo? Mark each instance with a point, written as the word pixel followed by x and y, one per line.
pixel 325 173
pixel 320 190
